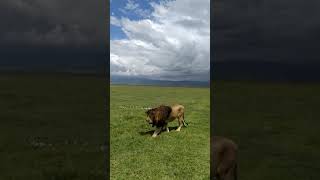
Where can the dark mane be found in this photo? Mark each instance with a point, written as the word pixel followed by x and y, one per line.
pixel 159 115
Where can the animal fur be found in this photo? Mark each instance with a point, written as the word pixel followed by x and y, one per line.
pixel 224 158
pixel 162 115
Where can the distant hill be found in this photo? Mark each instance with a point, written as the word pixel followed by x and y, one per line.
pixel 242 70
pixel 53 60
pixel 91 62
pixel 145 81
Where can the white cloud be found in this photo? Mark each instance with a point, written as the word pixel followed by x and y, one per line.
pixel 131 5
pixel 115 21
pixel 174 43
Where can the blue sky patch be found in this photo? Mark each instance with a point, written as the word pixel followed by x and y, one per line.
pixel 131 9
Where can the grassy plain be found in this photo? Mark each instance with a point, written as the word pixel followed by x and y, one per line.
pixel 52 127
pixel 174 155
pixel 276 126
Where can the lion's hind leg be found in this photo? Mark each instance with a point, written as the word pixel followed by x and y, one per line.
pixel 185 124
pixel 180 120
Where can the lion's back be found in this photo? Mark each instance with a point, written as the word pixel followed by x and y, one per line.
pixel 177 110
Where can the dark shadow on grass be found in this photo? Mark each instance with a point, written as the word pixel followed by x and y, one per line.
pixel 151 131
pixel 173 128
pixel 146 133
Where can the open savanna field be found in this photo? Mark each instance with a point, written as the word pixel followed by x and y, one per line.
pixel 174 155
pixel 52 127
pixel 276 126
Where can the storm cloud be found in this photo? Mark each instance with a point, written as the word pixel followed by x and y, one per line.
pixel 53 22
pixel 260 30
pixel 53 34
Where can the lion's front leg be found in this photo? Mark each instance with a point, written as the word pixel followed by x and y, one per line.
pixel 165 127
pixel 157 131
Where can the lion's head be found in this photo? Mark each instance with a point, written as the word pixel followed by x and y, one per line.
pixel 158 116
pixel 150 116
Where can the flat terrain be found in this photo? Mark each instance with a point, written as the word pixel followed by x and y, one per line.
pixel 275 125
pixel 174 155
pixel 52 127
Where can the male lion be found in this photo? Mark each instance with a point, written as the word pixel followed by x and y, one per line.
pixel 162 115
pixel 224 153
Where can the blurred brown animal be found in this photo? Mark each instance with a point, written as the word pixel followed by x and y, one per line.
pixel 162 115
pixel 224 158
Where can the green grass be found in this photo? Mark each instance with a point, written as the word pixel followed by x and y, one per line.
pixel 52 127
pixel 275 125
pixel 174 155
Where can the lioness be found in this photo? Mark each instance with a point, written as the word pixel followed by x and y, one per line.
pixel 162 115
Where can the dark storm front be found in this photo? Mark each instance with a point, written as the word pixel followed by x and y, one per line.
pixel 266 40
pixel 55 60
pixel 266 80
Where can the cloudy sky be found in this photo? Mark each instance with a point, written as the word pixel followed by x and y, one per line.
pixel 166 40
pixel 53 34
pixel 159 39
pixel 52 22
